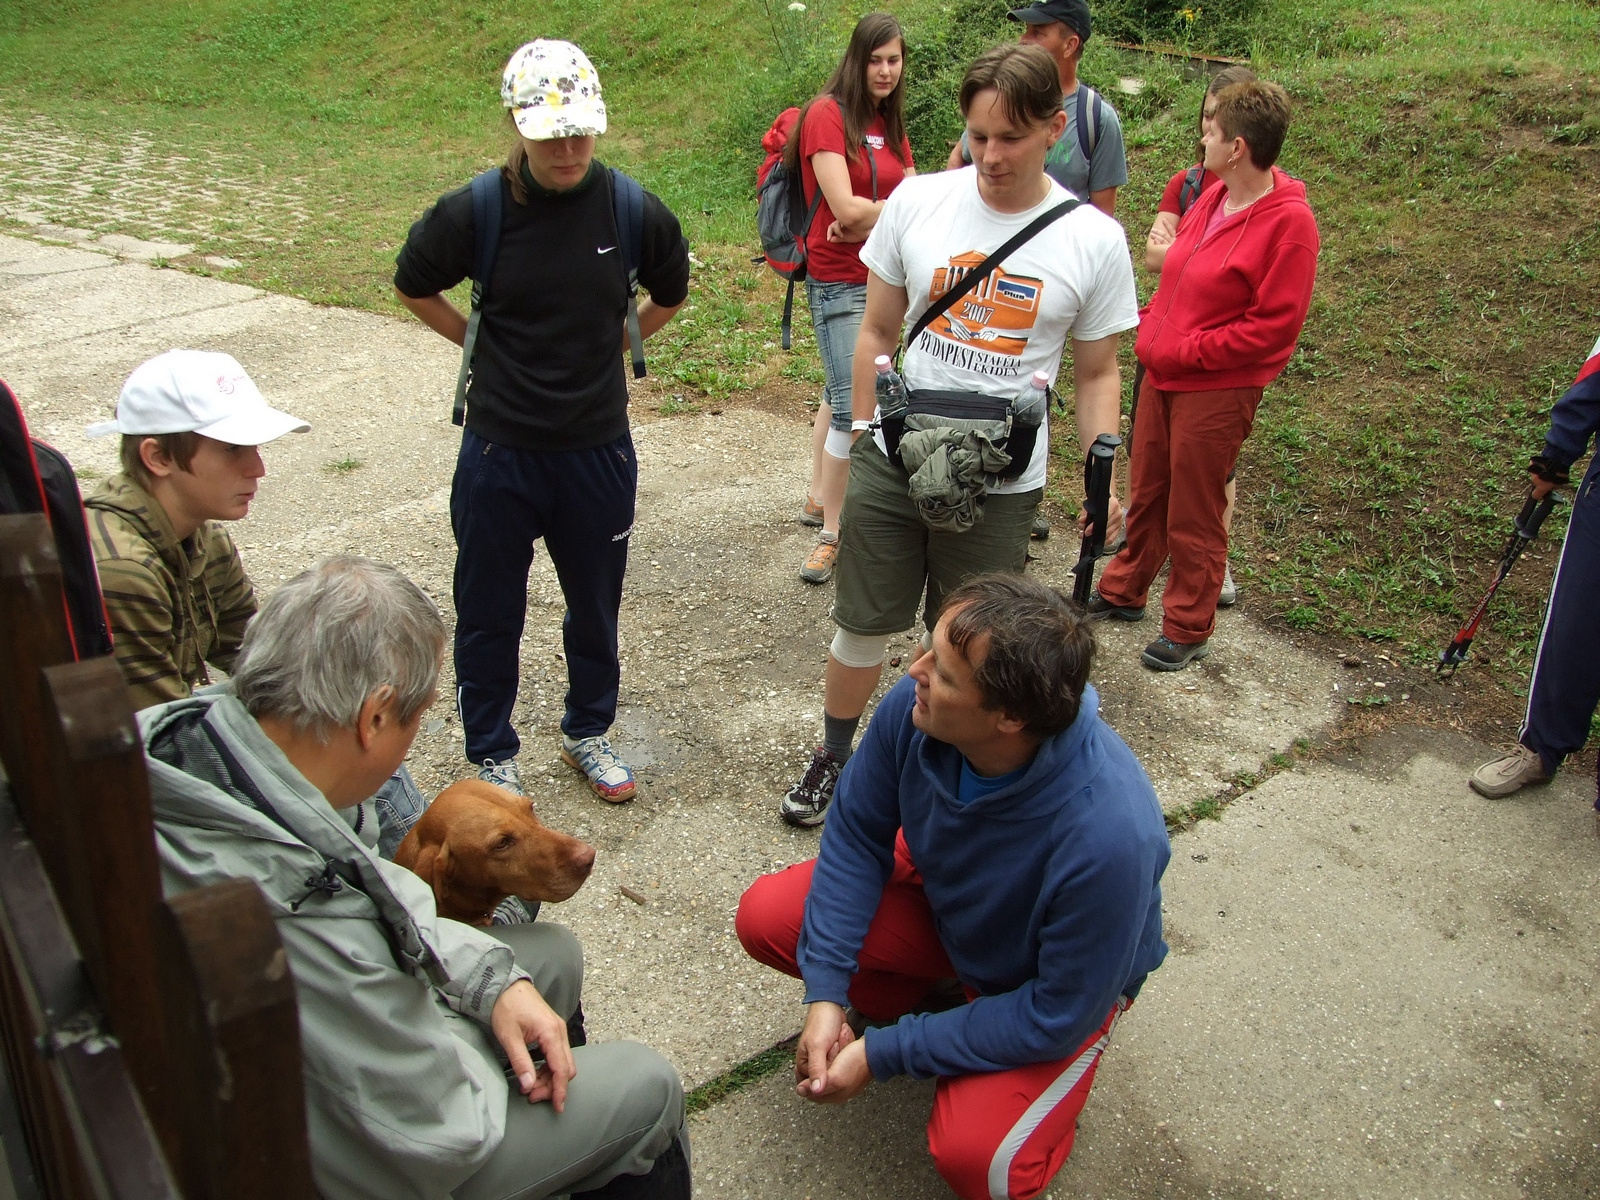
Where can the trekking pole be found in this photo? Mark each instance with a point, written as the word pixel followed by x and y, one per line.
pixel 1097 465
pixel 1523 531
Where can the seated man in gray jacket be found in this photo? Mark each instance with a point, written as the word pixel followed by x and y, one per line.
pixel 407 1019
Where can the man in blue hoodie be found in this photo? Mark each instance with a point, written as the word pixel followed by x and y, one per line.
pixel 991 830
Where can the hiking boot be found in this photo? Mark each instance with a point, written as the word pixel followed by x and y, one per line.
pixel 1509 773
pixel 1103 610
pixel 502 774
pixel 810 514
pixel 609 776
pixel 818 566
pixel 1164 654
pixel 514 910
pixel 806 803
pixel 1041 529
pixel 1230 594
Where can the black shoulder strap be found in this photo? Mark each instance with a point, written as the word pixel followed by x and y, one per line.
pixel 627 207
pixel 485 246
pixel 1190 191
pixel 981 272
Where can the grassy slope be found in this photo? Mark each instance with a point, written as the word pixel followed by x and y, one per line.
pixel 1450 150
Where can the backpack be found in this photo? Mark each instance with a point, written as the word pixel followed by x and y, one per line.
pixel 627 209
pixel 36 478
pixel 1193 185
pixel 783 218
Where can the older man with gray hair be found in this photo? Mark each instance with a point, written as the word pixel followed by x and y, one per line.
pixel 412 1026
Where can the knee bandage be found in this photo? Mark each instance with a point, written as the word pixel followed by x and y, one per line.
pixel 857 650
pixel 838 443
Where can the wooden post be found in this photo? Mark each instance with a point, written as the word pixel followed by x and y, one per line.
pixel 235 1035
pixel 103 805
pixel 33 635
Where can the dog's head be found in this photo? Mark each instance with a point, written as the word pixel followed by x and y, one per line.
pixel 477 844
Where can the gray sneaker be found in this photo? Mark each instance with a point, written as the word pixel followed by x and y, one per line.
pixel 514 910
pixel 1509 773
pixel 502 774
pixel 1230 594
pixel 806 803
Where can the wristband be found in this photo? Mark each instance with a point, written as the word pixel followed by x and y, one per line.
pixel 860 426
pixel 1546 470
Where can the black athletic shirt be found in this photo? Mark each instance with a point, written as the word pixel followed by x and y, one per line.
pixel 548 370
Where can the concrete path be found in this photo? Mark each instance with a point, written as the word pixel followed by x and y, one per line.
pixel 1347 994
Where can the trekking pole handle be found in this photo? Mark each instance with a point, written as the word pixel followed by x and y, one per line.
pixel 1533 514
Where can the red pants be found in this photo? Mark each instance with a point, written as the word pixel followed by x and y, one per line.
pixel 1185 444
pixel 1001 1135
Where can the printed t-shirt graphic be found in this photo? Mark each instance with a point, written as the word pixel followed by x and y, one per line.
pixel 1074 278
pixel 996 317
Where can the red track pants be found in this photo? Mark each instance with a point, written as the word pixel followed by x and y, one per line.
pixel 1184 446
pixel 999 1136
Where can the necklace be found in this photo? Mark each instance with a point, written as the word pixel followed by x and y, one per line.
pixel 1228 206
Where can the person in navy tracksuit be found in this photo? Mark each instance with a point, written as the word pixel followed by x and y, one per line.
pixel 1566 674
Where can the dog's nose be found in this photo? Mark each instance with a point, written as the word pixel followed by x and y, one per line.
pixel 583 858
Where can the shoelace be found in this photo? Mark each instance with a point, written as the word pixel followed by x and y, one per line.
pixel 601 755
pixel 815 773
pixel 503 773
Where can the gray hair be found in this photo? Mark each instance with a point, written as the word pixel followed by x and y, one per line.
pixel 330 637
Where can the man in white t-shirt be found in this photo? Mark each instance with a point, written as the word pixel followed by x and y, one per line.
pixel 1074 277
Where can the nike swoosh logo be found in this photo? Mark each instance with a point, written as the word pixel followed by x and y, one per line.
pixel 605 250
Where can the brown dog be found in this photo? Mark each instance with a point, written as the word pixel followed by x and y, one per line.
pixel 477 844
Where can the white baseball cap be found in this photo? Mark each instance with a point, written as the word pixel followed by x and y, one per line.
pixel 197 391
pixel 553 91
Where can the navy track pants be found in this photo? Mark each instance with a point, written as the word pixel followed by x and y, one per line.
pixel 1566 674
pixel 581 502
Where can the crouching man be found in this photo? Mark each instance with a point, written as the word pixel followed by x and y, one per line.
pixel 993 830
pixel 407 1020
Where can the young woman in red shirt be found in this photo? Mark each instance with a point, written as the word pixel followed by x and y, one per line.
pixel 851 143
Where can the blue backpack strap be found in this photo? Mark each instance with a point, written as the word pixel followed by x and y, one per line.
pixel 485 246
pixel 627 206
pixel 1193 178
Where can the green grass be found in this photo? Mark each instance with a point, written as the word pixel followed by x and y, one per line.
pixel 740 1076
pixel 1451 151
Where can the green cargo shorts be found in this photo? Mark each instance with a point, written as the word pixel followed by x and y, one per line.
pixel 889 560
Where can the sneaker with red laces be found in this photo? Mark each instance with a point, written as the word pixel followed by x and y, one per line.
pixel 1509 773
pixel 819 563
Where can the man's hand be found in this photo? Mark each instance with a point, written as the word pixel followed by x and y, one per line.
pixel 521 1018
pixel 846 1076
pixel 824 1035
pixel 1114 518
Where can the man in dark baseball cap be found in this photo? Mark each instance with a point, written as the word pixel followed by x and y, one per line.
pixel 1074 14
pixel 1089 159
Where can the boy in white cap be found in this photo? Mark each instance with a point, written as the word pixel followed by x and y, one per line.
pixel 546 451
pixel 177 596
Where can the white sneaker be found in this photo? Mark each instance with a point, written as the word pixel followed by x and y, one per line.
pixel 1230 594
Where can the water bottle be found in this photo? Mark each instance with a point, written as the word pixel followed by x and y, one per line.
pixel 891 389
pixel 1029 407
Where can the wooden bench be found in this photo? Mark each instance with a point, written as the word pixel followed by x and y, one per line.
pixel 152 1047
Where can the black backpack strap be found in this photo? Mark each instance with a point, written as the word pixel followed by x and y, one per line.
pixel 627 207
pixel 1085 142
pixel 1193 178
pixel 485 246
pixel 981 272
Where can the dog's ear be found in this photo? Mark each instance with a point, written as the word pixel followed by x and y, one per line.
pixel 432 866
pixel 443 870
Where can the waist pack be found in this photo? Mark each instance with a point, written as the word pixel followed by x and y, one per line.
pixel 954 445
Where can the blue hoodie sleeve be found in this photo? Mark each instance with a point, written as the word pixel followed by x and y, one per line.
pixel 857 853
pixel 1097 920
pixel 1576 416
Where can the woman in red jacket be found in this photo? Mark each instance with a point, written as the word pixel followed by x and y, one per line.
pixel 1234 292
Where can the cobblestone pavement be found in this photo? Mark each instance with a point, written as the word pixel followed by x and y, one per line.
pixel 73 187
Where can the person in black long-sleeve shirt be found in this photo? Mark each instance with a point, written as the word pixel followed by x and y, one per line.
pixel 546 450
